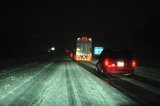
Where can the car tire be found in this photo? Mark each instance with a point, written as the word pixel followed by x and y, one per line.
pixel 99 69
pixel 130 75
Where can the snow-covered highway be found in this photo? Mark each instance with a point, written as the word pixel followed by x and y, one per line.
pixel 63 82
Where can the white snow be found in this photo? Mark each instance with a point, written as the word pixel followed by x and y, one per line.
pixel 148 72
pixel 141 71
pixel 14 85
pixel 73 85
pixel 64 83
pixel 152 73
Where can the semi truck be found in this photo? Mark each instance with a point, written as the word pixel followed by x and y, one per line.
pixel 83 49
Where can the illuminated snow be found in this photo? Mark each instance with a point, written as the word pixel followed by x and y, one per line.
pixel 63 83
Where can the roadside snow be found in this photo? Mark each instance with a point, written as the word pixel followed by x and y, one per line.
pixel 148 72
pixel 141 71
pixel 11 87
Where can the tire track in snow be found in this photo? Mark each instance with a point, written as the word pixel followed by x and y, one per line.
pixel 56 91
pixel 105 94
pixel 36 85
pixel 71 95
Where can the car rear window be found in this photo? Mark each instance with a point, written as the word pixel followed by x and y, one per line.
pixel 120 54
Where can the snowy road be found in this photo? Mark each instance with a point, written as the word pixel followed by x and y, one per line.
pixel 144 87
pixel 62 82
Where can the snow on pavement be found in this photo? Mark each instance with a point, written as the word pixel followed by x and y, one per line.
pixel 152 73
pixel 74 86
pixel 148 72
pixel 63 83
pixel 11 87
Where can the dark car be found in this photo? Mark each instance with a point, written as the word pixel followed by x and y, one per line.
pixel 117 61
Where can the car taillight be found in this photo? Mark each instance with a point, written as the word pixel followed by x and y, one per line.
pixel 106 62
pixel 109 63
pixel 112 65
pixel 134 63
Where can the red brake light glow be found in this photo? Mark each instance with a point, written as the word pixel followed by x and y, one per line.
pixel 134 64
pixel 109 63
pixel 106 62
pixel 84 38
pixel 112 65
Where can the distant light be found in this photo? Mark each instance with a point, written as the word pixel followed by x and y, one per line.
pixel 53 48
pixel 78 39
pixel 90 39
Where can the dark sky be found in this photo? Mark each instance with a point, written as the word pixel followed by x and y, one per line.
pixel 36 25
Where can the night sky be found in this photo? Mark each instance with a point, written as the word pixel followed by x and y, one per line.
pixel 34 26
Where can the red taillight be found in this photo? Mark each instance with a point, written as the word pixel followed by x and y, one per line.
pixel 109 63
pixel 112 65
pixel 134 63
pixel 106 62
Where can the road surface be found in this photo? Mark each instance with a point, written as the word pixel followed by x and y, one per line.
pixel 63 82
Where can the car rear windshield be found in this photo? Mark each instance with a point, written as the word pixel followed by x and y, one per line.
pixel 119 54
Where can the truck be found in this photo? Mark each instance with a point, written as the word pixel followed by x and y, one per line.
pixel 83 49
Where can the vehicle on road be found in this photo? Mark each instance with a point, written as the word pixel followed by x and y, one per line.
pixel 116 61
pixel 84 49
